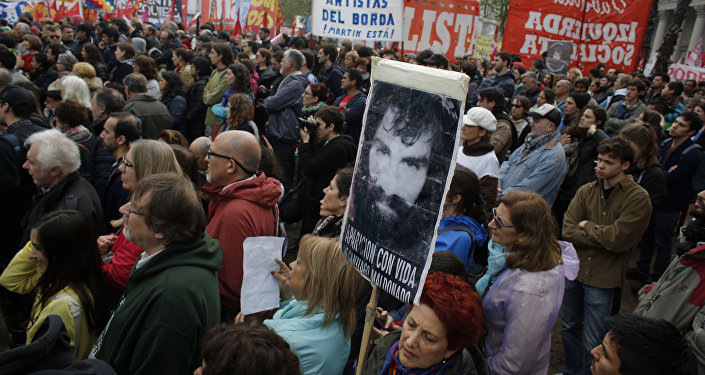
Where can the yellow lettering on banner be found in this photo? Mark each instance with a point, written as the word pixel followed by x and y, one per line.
pixel 256 3
pixel 270 4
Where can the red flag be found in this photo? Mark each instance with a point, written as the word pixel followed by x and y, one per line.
pixel 60 13
pixel 237 28
pixel 493 51
pixel 170 15
pixel 145 14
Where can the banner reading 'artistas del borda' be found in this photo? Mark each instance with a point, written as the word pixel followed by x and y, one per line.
pixel 404 167
pixel 380 20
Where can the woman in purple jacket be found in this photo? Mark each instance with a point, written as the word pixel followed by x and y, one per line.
pixel 523 287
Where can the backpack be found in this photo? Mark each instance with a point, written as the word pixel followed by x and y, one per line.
pixel 16 146
pixel 698 179
pixel 479 253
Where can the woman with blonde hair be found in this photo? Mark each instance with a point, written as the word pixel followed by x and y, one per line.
pixel 87 73
pixel 574 74
pixel 523 287
pixel 145 157
pixel 351 59
pixel 317 313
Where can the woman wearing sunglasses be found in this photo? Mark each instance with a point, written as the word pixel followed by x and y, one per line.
pixel 523 287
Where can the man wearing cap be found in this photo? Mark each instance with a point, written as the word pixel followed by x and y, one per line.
pixel 539 164
pixel 437 61
pixel 477 153
pixel 605 222
pixel 16 106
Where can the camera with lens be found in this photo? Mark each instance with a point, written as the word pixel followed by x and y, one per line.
pixel 308 124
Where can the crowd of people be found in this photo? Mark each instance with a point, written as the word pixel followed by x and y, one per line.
pixel 135 159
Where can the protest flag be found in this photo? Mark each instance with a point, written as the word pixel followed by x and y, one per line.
pixel 60 12
pixel 170 15
pixel 493 51
pixel 695 56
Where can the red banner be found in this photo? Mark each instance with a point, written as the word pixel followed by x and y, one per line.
pixel 264 13
pixel 602 31
pixel 447 27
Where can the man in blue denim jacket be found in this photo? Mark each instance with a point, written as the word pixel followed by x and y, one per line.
pixel 539 164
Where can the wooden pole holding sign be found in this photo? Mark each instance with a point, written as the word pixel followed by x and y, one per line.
pixel 370 313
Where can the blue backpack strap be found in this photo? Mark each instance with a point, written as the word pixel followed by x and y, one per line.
pixel 16 145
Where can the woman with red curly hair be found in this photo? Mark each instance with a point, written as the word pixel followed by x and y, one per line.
pixel 524 283
pixel 435 333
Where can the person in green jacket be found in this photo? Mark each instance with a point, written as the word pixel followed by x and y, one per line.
pixel 221 56
pixel 171 298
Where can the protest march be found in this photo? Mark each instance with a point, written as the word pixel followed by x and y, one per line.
pixel 375 187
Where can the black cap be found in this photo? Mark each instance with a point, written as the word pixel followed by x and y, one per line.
pixel 16 96
pixel 437 60
pixel 223 35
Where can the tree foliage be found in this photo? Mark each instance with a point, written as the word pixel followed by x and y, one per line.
pixel 496 10
pixel 290 8
pixel 671 38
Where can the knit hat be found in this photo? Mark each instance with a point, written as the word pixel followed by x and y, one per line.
pixel 478 116
pixel 581 99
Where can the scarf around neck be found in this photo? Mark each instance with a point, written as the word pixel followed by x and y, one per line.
pixel 534 143
pixel 496 263
pixel 393 366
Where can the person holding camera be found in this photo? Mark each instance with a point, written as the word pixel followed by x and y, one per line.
pixel 322 152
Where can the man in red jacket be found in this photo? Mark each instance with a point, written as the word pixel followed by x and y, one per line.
pixel 243 204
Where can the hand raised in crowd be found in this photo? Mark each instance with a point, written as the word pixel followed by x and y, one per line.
pixel 565 139
pixel 305 137
pixel 283 276
pixel 105 243
pixel 384 322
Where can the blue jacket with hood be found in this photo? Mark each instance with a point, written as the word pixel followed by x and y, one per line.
pixel 460 243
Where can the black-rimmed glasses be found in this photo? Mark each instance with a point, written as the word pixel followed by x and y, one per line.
pixel 126 164
pixel 211 153
pixel 498 221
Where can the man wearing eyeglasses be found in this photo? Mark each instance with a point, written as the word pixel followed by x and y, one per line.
pixel 171 298
pixel 605 222
pixel 243 204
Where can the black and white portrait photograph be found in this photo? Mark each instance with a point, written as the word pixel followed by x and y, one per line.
pixel 558 57
pixel 398 187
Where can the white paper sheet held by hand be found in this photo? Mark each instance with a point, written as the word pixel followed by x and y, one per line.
pixel 260 290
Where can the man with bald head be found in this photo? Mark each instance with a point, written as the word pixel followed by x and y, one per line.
pixel 243 204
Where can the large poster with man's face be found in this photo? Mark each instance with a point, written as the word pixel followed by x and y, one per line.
pixel 404 167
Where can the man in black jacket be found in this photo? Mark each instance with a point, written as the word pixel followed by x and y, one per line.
pixel 16 107
pixel 53 161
